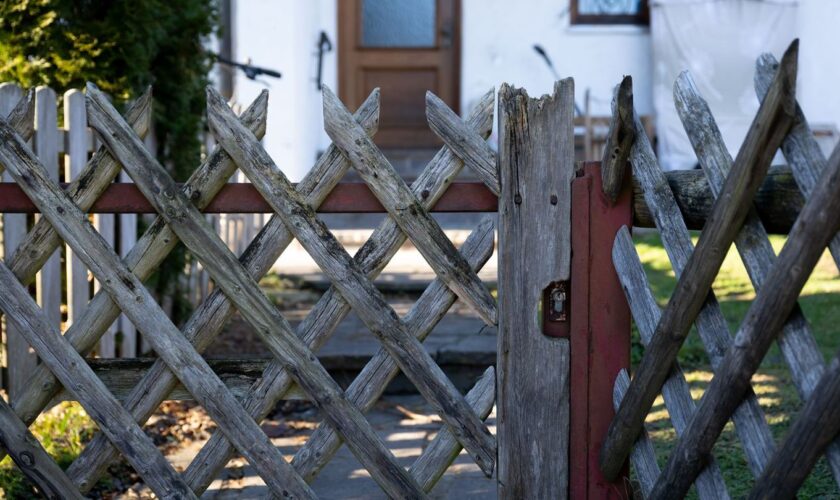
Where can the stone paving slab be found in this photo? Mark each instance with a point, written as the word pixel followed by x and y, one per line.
pixel 406 433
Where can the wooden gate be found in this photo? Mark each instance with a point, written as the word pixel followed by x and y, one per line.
pixel 566 265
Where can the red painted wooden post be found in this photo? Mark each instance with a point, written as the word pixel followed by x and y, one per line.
pixel 600 330
pixel 347 197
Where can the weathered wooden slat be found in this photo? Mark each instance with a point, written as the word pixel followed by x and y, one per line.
pixel 83 190
pixel 136 301
pixel 391 190
pixel 367 301
pixel 105 226
pixel 381 369
pixel 444 448
pixel 75 159
pixel 101 311
pixel 331 308
pixel 31 458
pixel 39 244
pixel 465 142
pixel 48 279
pixel 240 287
pixel 799 147
pixel 121 376
pixel 773 303
pixel 814 431
pixel 127 240
pixel 643 456
pixel 620 139
pixel 675 391
pixel 536 163
pixel 769 127
pixel 211 316
pixel 796 342
pixel 711 325
pixel 57 353
pixel 19 110
pixel 778 200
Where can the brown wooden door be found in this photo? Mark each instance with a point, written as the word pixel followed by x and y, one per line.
pixel 404 47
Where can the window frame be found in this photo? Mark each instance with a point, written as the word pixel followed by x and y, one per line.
pixel 642 18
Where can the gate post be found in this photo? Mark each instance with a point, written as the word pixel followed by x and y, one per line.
pixel 600 329
pixel 536 162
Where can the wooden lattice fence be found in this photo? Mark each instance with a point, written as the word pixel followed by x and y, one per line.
pixel 295 369
pixel 63 287
pixel 774 314
pixel 564 327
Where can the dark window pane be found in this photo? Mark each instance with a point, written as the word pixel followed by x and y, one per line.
pixel 398 23
pixel 609 7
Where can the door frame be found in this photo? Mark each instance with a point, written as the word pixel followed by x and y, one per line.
pixel 349 49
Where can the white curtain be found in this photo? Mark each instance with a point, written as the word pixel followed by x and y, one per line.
pixel 718 41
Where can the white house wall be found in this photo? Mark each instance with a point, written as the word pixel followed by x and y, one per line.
pixel 498 40
pixel 497 46
pixel 819 60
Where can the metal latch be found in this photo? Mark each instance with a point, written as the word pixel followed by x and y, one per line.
pixel 558 301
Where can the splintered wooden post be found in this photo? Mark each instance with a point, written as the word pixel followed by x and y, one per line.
pixel 536 164
pixel 619 140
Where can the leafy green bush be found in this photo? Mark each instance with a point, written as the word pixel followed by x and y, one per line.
pixel 122 46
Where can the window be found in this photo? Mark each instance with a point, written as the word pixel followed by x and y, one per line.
pixel 609 12
pixel 398 23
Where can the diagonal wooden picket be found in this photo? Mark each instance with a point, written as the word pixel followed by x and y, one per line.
pixel 773 315
pixel 180 361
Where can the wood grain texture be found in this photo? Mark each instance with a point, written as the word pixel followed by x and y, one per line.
pixel 84 189
pixel 144 257
pixel 816 225
pixel 675 391
pixel 210 317
pixel 19 109
pixel 32 459
pixel 800 146
pixel 769 127
pixel 75 159
pixel 712 327
pixel 367 301
pixel 229 274
pixel 465 142
pixel 71 369
pixel 813 432
pixel 101 311
pixel 797 344
pixel 331 308
pixel 366 389
pixel 48 279
pixel 391 190
pixel 620 139
pixel 778 200
pixel 136 301
pixel 536 163
pixel 643 456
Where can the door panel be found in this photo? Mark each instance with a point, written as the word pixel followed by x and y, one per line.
pixel 404 47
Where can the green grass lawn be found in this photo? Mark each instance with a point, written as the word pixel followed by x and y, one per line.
pixel 62 431
pixel 820 301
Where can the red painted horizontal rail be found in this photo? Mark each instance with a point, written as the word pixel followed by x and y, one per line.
pixel 347 197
